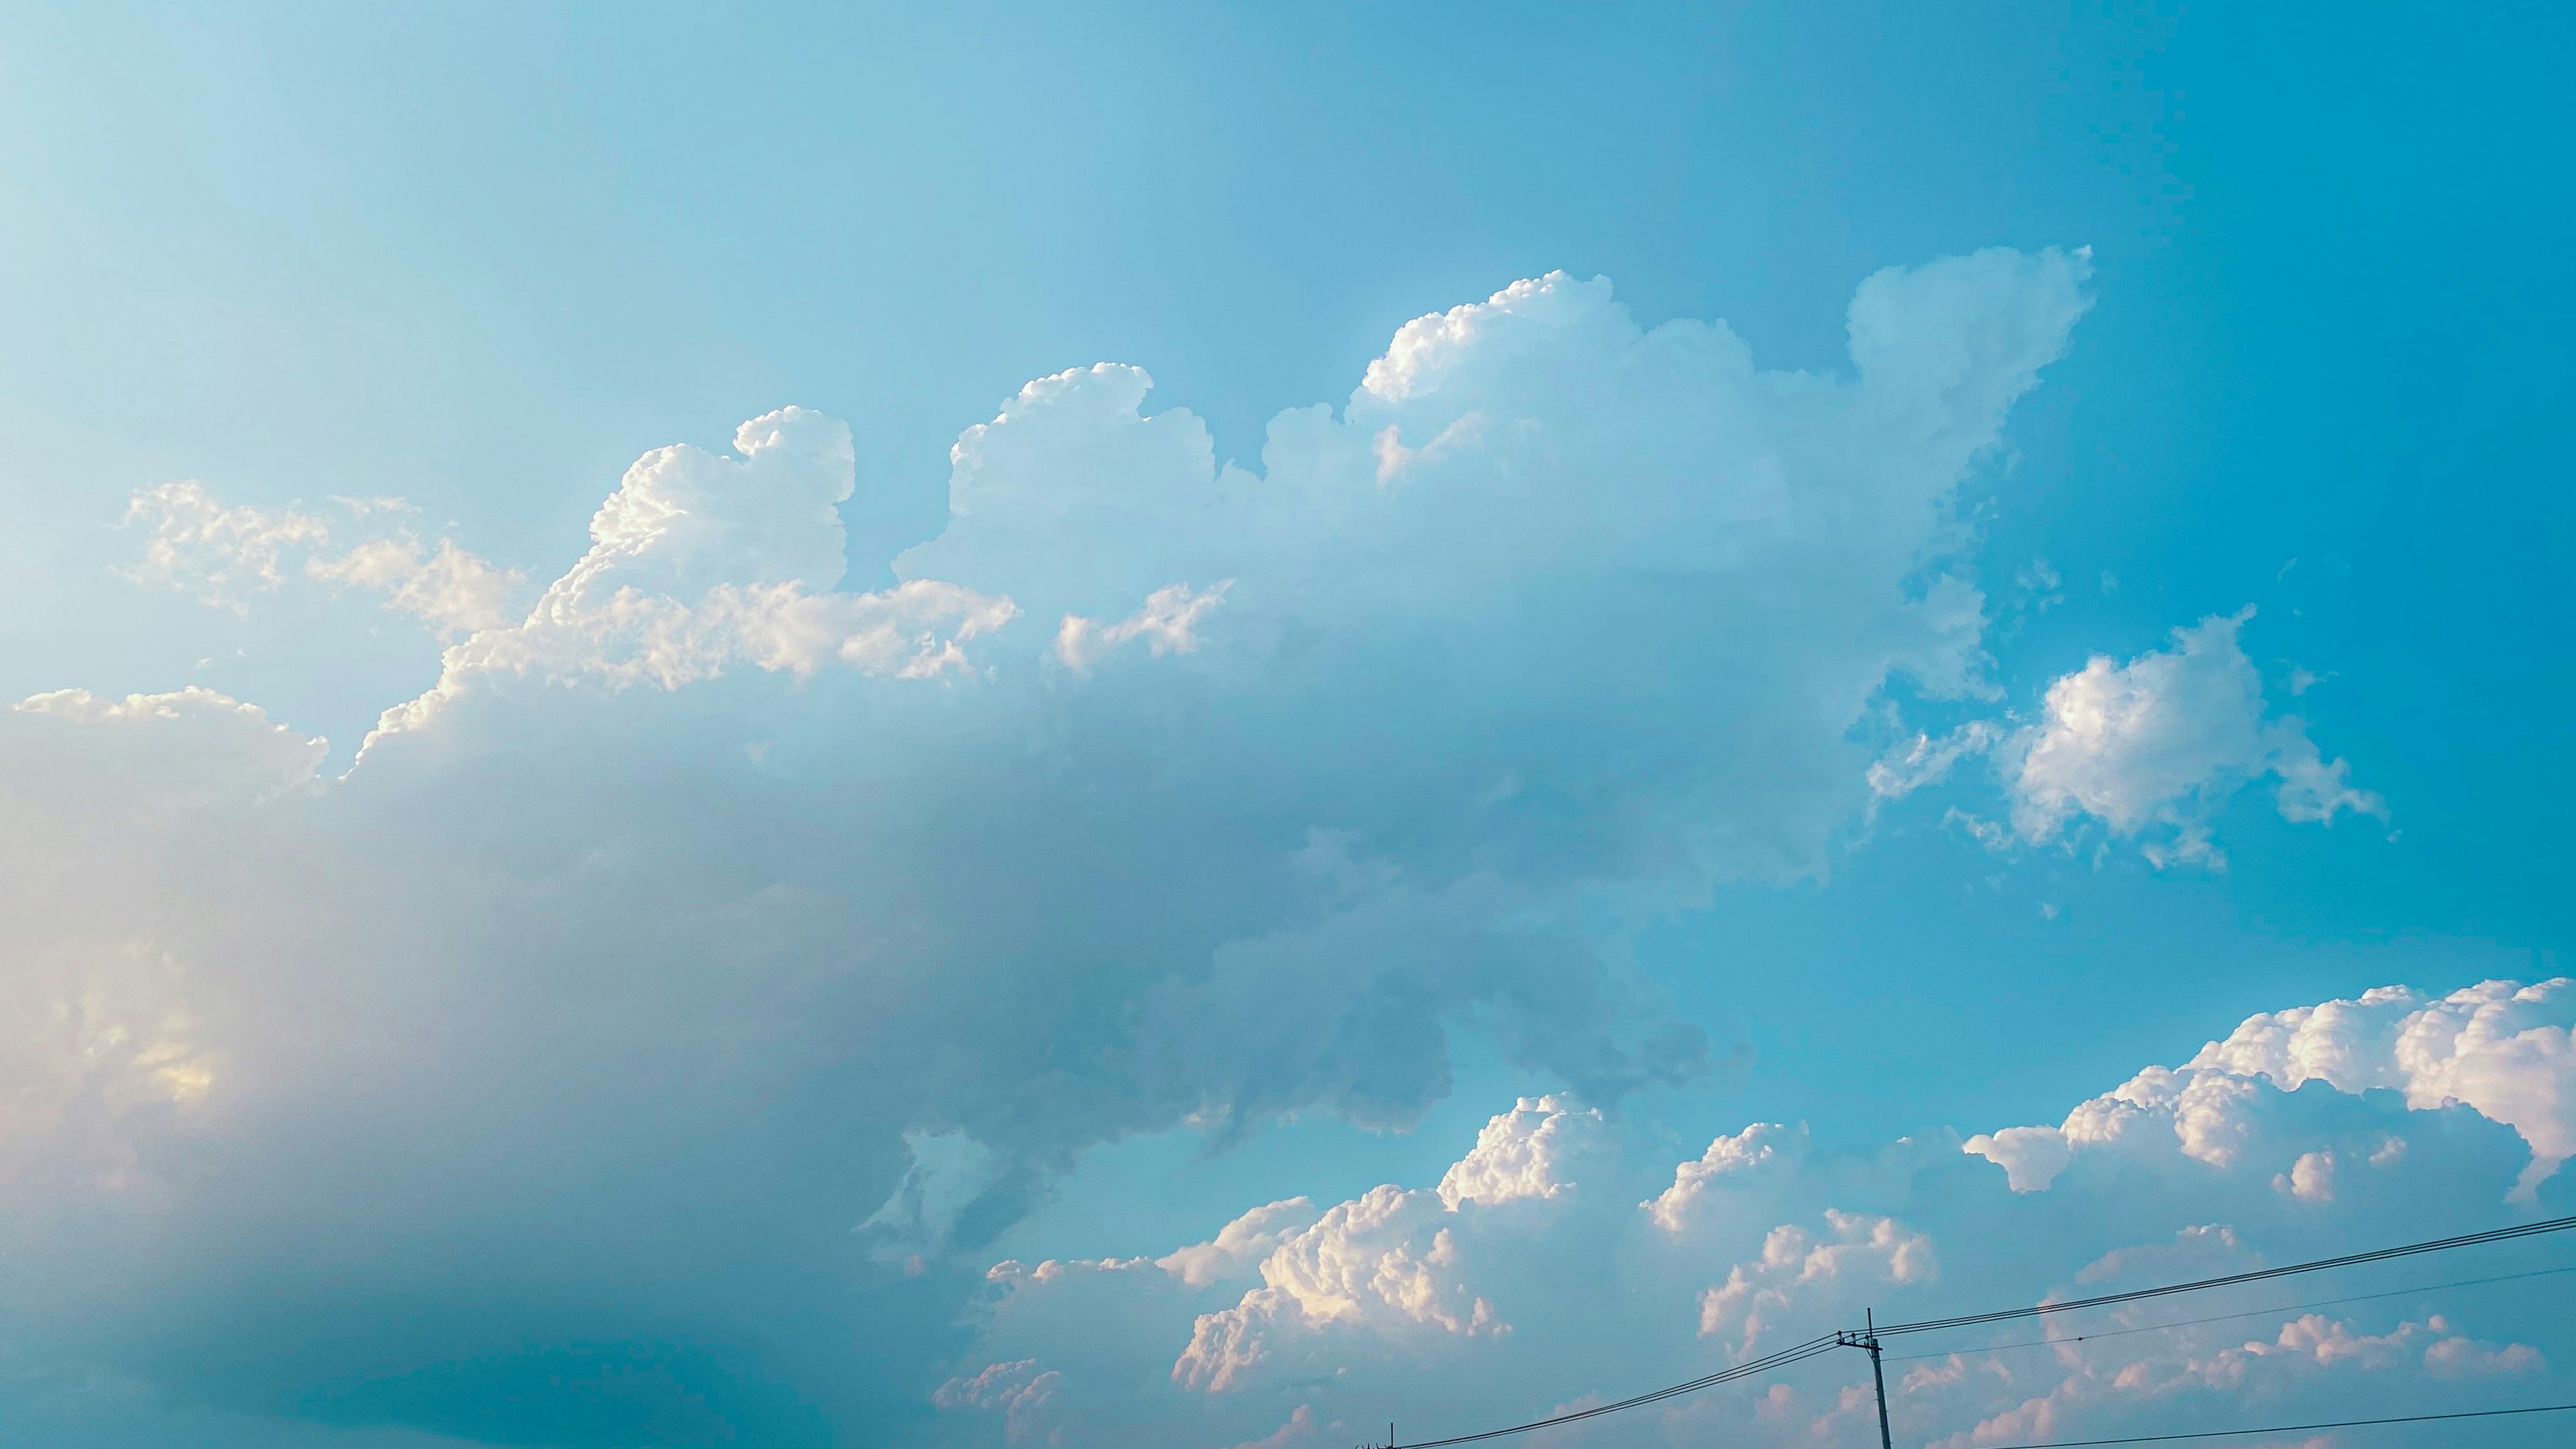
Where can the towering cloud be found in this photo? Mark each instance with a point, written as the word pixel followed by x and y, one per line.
pixel 649 1028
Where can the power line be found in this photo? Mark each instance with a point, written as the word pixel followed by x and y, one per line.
pixel 1782 1359
pixel 2228 1317
pixel 2296 1428
pixel 2349 1260
pixel 1815 1346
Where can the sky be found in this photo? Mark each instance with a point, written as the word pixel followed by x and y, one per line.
pixel 1003 726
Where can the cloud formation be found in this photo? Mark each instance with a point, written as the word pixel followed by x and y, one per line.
pixel 2161 740
pixel 670 1001
pixel 2295 1150
pixel 699 563
pixel 2151 750
pixel 2503 1050
pixel 226 555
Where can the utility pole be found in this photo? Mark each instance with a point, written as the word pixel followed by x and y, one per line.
pixel 1867 1341
pixel 1877 1378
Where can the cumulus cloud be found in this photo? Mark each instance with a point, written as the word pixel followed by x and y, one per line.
pixel 707 910
pixel 699 563
pixel 1396 1258
pixel 2150 750
pixel 1758 1294
pixel 2500 1049
pixel 2153 746
pixel 1398 1296
pixel 1745 1159
pixel 1239 1244
pixel 1533 1151
pixel 2310 1179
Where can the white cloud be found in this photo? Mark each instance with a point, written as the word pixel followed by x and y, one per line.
pixel 1746 1159
pixel 225 554
pixel 2310 1179
pixel 562 986
pixel 2031 1157
pixel 1729 482
pixel 1536 1150
pixel 1393 1259
pixel 1168 623
pixel 699 563
pixel 1764 1238
pixel 2157 744
pixel 1926 761
pixel 1759 1295
pixel 2507 1051
pixel 447 588
pixel 1240 1244
pixel 171 751
pixel 219 554
pixel 1388 1257
pixel 2498 1048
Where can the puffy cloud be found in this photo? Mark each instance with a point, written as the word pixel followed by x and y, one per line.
pixel 1535 1150
pixel 1730 483
pixel 1763 1150
pixel 711 907
pixel 2310 1179
pixel 1386 1257
pixel 1239 1244
pixel 1391 1257
pixel 1757 1295
pixel 2508 1051
pixel 2157 743
pixel 2501 1049
pixel 2151 749
pixel 1764 1238
pixel 698 563
pixel 2031 1157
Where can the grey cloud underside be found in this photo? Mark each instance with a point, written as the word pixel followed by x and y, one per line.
pixel 591 1009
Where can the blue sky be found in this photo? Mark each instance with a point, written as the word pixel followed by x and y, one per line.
pixel 1056 847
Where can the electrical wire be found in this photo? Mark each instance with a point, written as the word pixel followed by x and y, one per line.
pixel 1782 1359
pixel 2296 1428
pixel 2349 1260
pixel 1815 1346
pixel 2228 1317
